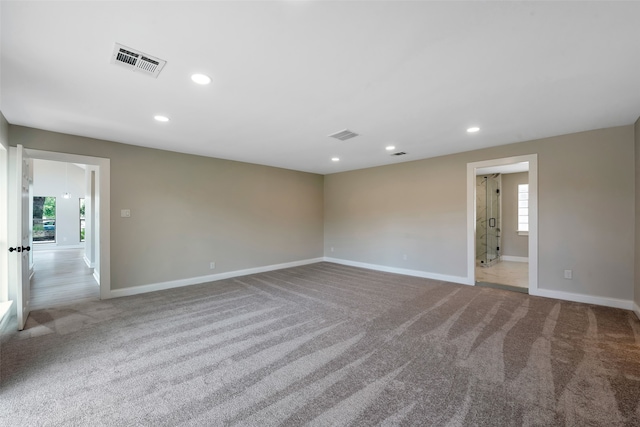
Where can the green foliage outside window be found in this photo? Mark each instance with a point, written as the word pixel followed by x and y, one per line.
pixel 82 220
pixel 44 219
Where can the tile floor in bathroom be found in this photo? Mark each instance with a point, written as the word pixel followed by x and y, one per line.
pixel 505 273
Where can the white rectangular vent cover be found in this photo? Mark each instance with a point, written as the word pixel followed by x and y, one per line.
pixel 137 61
pixel 343 135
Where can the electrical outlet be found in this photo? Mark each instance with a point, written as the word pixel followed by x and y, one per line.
pixel 331 248
pixel 212 265
pixel 404 257
pixel 125 213
pixel 568 274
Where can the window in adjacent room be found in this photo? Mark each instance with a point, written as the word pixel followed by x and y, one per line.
pixel 523 209
pixel 44 219
pixel 82 219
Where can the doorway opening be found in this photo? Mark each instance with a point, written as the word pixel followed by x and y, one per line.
pixel 502 223
pixel 61 259
pixel 96 220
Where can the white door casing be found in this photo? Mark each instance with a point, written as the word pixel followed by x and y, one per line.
pixel 15 215
pixel 532 159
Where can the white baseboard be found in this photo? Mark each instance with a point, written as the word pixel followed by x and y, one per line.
pixel 567 296
pixel 588 299
pixel 88 262
pixel 96 275
pixel 55 246
pixel 405 271
pixel 514 258
pixel 134 290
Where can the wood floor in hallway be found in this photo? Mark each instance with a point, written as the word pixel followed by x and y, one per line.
pixel 61 277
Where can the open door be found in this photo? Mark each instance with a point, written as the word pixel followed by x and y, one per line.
pixel 19 233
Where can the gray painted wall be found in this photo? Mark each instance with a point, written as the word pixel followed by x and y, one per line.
pixel 187 211
pixel 637 224
pixel 586 209
pixel 512 243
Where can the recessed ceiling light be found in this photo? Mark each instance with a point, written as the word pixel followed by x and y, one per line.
pixel 335 159
pixel 390 147
pixel 473 129
pixel 161 118
pixel 201 79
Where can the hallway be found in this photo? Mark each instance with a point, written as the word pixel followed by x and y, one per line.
pixel 61 277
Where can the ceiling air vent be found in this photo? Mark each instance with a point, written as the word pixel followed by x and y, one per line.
pixel 137 61
pixel 399 153
pixel 343 135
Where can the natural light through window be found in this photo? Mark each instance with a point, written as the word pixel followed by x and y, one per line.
pixel 82 221
pixel 523 208
pixel 44 219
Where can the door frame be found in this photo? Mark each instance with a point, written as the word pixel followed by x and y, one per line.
pixel 532 159
pixel 102 215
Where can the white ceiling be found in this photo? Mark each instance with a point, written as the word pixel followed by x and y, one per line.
pixel 287 74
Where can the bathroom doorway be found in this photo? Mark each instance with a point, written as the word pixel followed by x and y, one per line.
pixel 502 223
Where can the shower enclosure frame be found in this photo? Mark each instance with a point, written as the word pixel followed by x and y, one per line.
pixel 488 219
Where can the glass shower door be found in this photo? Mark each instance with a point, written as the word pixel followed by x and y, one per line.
pixel 493 219
pixel 488 219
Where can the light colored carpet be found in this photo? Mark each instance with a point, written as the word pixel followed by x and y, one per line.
pixel 324 345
